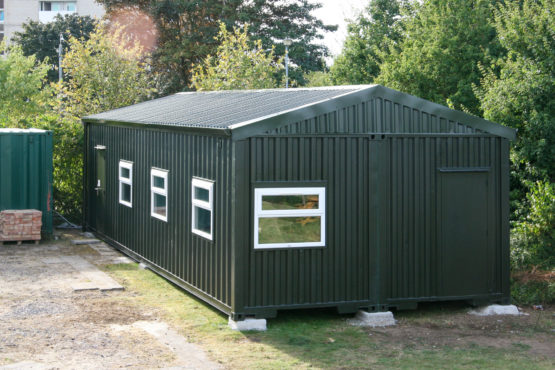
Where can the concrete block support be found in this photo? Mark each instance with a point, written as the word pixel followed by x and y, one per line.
pixel 247 324
pixel 496 309
pixel 373 319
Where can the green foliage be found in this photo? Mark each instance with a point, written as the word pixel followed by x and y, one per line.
pixel 42 39
pixel 438 57
pixel 237 65
pixel 518 90
pixel 371 33
pixel 318 78
pixel 533 236
pixel 68 163
pixel 24 92
pixel 532 292
pixel 187 31
pixel 104 72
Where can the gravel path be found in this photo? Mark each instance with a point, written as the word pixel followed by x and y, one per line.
pixel 48 320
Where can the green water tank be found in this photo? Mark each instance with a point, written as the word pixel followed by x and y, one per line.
pixel 26 172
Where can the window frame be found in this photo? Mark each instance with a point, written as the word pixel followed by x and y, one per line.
pixel 208 206
pixel 158 172
pixel 128 181
pixel 277 191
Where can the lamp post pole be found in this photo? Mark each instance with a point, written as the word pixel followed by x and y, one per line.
pixel 287 43
pixel 60 50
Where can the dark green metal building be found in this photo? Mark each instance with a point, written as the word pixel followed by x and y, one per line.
pixel 349 197
pixel 26 172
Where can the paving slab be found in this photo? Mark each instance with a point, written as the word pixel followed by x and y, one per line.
pixel 84 241
pixel 95 279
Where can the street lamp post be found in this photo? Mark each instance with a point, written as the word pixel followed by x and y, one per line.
pixel 287 43
pixel 60 50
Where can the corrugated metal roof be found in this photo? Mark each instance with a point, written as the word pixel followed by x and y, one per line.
pixel 221 109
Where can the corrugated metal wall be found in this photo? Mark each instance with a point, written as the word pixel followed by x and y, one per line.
pixel 170 246
pixel 377 115
pixel 341 271
pixel 26 172
pixel 383 205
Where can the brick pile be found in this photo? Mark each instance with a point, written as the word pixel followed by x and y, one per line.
pixel 19 225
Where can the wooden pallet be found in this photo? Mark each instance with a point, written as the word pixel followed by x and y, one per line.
pixel 19 242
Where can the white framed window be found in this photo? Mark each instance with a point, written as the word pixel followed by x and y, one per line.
pixel 202 199
pixel 126 183
pixel 289 217
pixel 159 194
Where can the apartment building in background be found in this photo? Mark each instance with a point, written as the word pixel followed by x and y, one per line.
pixel 13 13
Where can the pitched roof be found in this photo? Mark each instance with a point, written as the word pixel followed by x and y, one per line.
pixel 220 109
pixel 250 112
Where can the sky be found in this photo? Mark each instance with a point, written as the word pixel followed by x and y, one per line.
pixel 335 12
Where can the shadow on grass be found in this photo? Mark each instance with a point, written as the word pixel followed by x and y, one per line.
pixel 318 338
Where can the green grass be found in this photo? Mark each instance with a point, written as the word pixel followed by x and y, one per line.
pixel 315 338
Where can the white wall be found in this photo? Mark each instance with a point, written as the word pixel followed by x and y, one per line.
pixel 17 12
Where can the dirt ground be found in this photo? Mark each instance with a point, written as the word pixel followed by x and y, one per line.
pixel 52 316
pixel 47 322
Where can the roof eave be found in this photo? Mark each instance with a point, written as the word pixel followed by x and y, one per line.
pixel 220 131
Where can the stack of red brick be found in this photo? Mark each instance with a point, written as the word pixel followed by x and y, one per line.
pixel 21 224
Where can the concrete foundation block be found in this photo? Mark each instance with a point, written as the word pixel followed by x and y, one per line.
pixel 373 319
pixel 496 309
pixel 247 324
pixel 84 241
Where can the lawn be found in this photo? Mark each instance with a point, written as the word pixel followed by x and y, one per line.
pixel 434 336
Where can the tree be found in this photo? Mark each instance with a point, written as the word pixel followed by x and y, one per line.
pixel 187 31
pixel 372 32
pixel 42 39
pixel 103 73
pixel 318 78
pixel 517 91
pixel 24 91
pixel 438 57
pixel 237 64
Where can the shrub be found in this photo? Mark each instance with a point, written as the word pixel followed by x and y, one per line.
pixel 533 235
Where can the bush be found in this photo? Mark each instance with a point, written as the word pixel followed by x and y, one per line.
pixel 68 164
pixel 533 288
pixel 533 235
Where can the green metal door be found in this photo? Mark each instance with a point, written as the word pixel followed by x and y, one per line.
pixel 463 231
pixel 100 186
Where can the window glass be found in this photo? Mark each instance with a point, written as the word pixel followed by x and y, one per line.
pixel 202 220
pixel 160 206
pixel 202 194
pixel 309 201
pixel 159 182
pixel 1 16
pixel 56 7
pixel 289 230
pixel 70 7
pixel 126 193
pixel 289 217
pixel 125 172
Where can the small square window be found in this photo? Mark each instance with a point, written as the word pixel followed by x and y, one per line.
pixel 159 194
pixel 202 204
pixel 126 183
